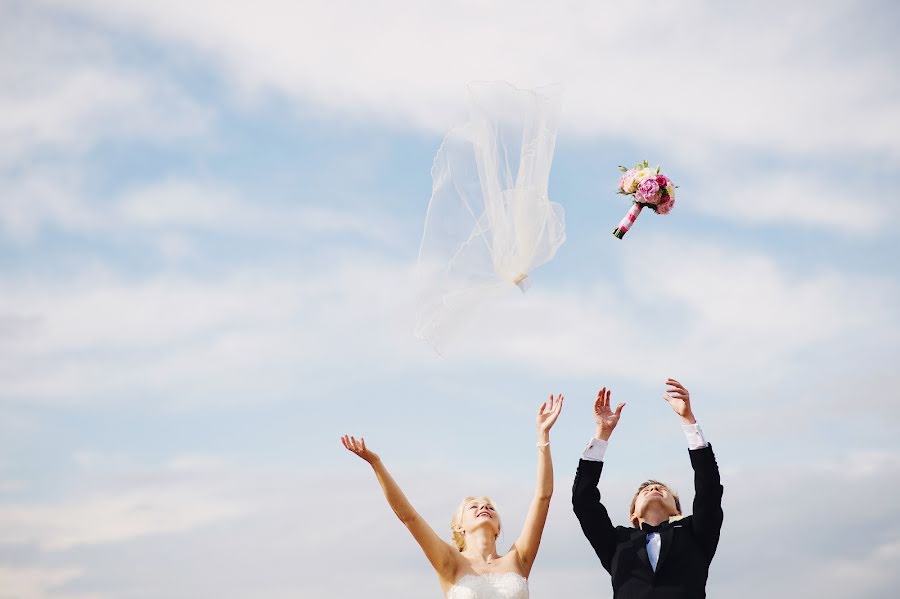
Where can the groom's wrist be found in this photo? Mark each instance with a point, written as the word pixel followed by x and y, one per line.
pixel 602 434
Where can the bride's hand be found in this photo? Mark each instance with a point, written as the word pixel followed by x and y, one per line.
pixel 548 413
pixel 359 448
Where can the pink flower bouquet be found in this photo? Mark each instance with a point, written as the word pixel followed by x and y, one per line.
pixel 649 188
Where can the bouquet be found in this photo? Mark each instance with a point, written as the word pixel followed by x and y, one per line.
pixel 649 188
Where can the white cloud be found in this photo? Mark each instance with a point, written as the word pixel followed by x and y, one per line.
pixel 188 204
pixel 130 504
pixel 169 213
pixel 684 306
pixel 407 62
pixel 40 198
pixel 801 198
pixel 769 90
pixel 7 486
pixel 64 88
pixel 247 334
pixel 691 307
pixel 845 547
pixel 846 520
pixel 39 583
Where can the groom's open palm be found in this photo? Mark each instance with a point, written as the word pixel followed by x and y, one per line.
pixel 605 418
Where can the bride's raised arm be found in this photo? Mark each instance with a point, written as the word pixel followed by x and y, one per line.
pixel 526 546
pixel 439 552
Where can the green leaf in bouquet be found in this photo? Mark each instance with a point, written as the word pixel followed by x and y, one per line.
pixel 623 169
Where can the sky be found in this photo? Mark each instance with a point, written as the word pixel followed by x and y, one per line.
pixel 210 215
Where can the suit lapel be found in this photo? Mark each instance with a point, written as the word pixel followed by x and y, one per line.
pixel 666 539
pixel 642 550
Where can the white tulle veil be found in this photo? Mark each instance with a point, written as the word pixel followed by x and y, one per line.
pixel 489 221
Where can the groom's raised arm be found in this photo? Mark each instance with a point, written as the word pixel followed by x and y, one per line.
pixel 591 513
pixel 707 514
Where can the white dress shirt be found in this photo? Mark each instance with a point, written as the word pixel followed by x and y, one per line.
pixel 596 449
pixel 654 544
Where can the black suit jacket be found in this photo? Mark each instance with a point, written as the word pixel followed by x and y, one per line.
pixel 687 547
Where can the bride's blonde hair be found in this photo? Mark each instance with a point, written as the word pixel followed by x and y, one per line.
pixel 458 537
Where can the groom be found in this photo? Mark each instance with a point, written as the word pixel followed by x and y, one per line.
pixel 663 555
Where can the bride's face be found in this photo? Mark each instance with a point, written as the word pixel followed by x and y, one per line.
pixel 480 512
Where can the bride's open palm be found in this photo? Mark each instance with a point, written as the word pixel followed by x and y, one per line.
pixel 548 413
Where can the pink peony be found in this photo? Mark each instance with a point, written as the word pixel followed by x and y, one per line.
pixel 648 191
pixel 665 205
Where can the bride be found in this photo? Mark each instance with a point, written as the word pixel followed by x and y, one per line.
pixel 471 567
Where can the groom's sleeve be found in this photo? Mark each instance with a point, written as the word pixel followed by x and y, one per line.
pixel 592 515
pixel 707 517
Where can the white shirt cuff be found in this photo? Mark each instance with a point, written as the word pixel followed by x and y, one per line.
pixel 694 436
pixel 595 450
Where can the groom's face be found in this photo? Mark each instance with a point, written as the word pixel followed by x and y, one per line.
pixel 654 492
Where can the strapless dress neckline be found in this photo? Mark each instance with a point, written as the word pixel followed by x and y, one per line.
pixel 504 585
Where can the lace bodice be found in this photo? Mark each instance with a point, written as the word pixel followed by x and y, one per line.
pixel 508 585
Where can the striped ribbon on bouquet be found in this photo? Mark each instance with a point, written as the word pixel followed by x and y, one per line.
pixel 626 222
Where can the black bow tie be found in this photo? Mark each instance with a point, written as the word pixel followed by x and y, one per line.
pixel 649 528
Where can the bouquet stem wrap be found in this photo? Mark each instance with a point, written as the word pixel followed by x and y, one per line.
pixel 626 222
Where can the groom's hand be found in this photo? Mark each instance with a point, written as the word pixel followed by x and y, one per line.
pixel 680 399
pixel 605 418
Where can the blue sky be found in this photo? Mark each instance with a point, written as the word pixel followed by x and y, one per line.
pixel 208 231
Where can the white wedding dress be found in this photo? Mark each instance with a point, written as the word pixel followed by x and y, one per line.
pixel 508 585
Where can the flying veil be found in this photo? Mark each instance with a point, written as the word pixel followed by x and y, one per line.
pixel 489 221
